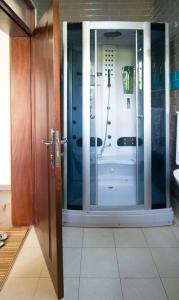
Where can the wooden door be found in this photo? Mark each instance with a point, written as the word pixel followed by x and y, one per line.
pixel 46 142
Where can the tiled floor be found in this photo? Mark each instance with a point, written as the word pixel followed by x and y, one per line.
pixel 102 264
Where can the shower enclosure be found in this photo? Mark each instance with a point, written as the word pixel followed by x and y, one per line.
pixel 116 120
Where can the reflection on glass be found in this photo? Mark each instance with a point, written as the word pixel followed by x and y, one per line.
pixel 158 116
pixel 74 117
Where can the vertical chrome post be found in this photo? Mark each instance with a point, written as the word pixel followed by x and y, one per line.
pixel 95 99
pixel 167 113
pixel 147 117
pixel 65 111
pixel 86 115
pixel 137 111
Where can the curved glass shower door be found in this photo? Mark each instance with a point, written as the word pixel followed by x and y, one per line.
pixel 116 118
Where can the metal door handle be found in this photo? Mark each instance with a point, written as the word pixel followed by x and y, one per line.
pixel 64 141
pixel 47 143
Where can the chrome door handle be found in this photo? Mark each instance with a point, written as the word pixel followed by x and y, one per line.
pixel 47 143
pixel 64 141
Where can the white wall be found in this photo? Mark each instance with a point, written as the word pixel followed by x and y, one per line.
pixel 5 170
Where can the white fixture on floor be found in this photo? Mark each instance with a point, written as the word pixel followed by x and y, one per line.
pixel 176 172
pixel 132 218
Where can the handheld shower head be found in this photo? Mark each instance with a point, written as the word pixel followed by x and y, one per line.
pixel 109 78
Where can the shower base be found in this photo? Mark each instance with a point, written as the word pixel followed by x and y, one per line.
pixel 121 192
pixel 132 218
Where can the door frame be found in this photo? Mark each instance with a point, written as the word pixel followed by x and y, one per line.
pixel 145 26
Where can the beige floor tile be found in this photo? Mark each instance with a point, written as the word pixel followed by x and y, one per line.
pixel 175 230
pixel 167 261
pixel 44 273
pixel 71 288
pixel 72 237
pixel 143 289
pixel 19 289
pixel 160 237
pixel 99 262
pixel 135 263
pixel 129 237
pixel 31 240
pixel 72 260
pixel 98 237
pixel 29 263
pixel 171 286
pixel 45 290
pixel 100 289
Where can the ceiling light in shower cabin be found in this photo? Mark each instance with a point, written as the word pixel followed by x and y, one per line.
pixel 112 34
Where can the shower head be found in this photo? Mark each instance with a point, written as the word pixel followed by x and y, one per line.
pixel 112 34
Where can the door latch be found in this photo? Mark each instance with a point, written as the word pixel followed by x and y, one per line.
pixel 51 144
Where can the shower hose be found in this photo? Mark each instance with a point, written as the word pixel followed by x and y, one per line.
pixel 107 120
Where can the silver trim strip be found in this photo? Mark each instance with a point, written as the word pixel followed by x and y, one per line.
pixel 147 116
pixel 65 111
pixel 85 115
pixel 137 112
pixel 116 25
pixel 167 113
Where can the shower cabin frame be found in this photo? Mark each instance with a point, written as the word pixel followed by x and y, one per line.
pixel 166 214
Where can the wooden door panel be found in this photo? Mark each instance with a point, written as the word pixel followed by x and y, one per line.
pixel 21 132
pixel 46 116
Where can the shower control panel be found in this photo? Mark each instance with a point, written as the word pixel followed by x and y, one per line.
pixel 129 141
pixel 109 60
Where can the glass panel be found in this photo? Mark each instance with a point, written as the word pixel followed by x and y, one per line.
pixel 113 118
pixel 74 117
pixel 158 116
pixel 140 119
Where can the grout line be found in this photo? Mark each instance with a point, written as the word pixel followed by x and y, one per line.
pixel 35 290
pixel 81 262
pixel 118 263
pixel 156 266
pixel 107 277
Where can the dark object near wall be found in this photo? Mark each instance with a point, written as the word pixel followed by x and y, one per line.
pixel 92 142
pixel 129 141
